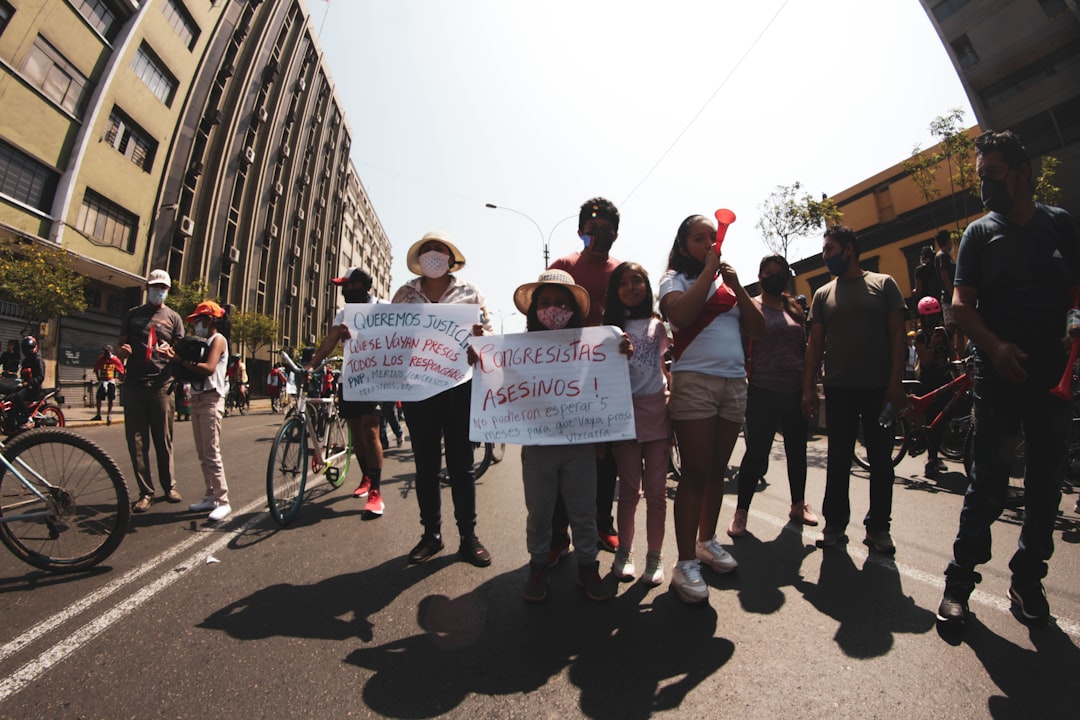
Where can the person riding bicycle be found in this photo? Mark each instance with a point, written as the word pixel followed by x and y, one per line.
pixel 275 384
pixel 236 374
pixel 31 377
pixel 363 417
pixel 107 368
pixel 934 352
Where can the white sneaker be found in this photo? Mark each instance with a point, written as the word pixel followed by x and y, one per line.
pixel 654 569
pixel 623 567
pixel 713 554
pixel 207 503
pixel 688 583
pixel 220 512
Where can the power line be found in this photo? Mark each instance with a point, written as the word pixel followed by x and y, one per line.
pixel 711 97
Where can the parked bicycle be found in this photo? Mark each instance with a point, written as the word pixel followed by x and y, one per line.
pixel 43 412
pixel 64 505
pixel 313 438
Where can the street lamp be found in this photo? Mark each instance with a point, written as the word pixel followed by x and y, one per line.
pixel 535 224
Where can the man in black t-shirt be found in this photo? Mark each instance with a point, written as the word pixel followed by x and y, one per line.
pixel 1015 274
pixel 945 268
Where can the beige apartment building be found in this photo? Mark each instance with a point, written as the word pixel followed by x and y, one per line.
pixel 205 137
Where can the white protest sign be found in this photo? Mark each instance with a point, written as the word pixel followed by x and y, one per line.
pixel 405 352
pixel 553 387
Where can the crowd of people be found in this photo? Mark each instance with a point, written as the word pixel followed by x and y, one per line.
pixel 737 363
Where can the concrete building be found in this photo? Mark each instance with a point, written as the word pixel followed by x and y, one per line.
pixel 206 138
pixel 1019 61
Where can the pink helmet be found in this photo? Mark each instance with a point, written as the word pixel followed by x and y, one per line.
pixel 929 306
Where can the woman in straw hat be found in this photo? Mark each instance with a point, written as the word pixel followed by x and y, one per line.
pixel 446 416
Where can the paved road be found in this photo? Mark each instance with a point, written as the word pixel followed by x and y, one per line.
pixel 325 619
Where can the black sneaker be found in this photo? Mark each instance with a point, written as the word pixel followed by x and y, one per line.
pixel 953 609
pixel 536 589
pixel 428 546
pixel 588 579
pixel 472 551
pixel 1029 600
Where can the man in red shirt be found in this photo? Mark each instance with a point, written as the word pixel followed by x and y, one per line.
pixel 107 369
pixel 591 268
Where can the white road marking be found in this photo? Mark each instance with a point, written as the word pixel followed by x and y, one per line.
pixel 1069 627
pixel 29 672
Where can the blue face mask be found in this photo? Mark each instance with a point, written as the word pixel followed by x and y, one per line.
pixel 838 264
pixel 156 296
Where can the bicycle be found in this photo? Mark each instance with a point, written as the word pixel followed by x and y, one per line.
pixel 312 437
pixel 909 432
pixel 236 400
pixel 491 454
pixel 64 505
pixel 43 411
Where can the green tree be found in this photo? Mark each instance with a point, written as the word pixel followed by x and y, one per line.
pixel 787 216
pixel 1045 190
pixel 183 298
pixel 956 151
pixel 41 280
pixel 252 330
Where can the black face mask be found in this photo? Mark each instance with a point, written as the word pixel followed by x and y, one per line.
pixel 356 295
pixel 602 239
pixel 774 284
pixel 995 195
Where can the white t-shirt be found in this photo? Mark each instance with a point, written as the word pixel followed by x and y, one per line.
pixel 650 341
pixel 717 350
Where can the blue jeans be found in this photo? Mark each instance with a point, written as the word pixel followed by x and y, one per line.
pixel 766 412
pixel 843 408
pixel 1003 411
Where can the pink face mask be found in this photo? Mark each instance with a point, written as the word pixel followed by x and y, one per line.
pixel 434 264
pixel 554 317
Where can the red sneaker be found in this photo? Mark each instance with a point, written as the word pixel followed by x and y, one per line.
pixel 374 505
pixel 363 488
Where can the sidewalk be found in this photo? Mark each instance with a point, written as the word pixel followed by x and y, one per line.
pixel 76 416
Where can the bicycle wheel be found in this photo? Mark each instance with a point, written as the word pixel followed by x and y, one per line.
pixel 286 472
pixel 954 439
pixel 480 466
pixel 86 510
pixel 49 416
pixel 498 451
pixel 338 451
pixel 901 428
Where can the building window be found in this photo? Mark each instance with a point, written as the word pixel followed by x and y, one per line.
pixel 181 22
pixel 6 11
pixel 98 15
pixel 152 72
pixel 1052 8
pixel 948 8
pixel 965 53
pixel 26 180
pixel 106 222
pixel 58 79
pixel 883 200
pixel 130 140
pixel 1031 74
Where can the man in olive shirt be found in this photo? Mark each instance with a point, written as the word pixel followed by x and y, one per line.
pixel 857 322
pixel 147 335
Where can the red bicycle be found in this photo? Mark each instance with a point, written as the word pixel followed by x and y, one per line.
pixel 43 412
pixel 909 430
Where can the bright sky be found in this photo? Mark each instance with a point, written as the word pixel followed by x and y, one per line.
pixel 540 106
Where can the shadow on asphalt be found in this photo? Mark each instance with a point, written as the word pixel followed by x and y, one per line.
pixel 488 641
pixel 868 603
pixel 1034 683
